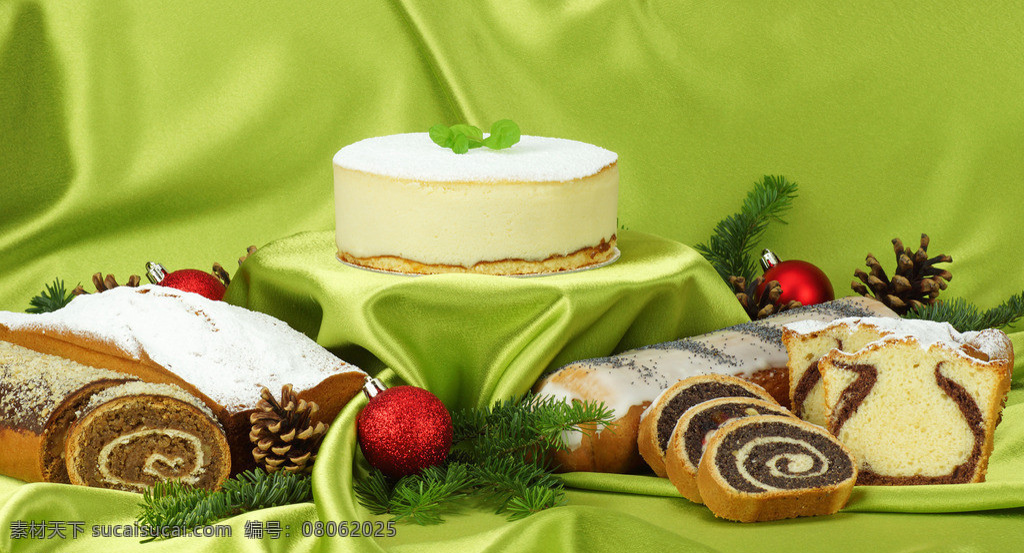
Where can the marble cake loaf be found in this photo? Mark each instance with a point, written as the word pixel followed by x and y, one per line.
pixel 628 382
pixel 64 422
pixel 696 428
pixel 220 353
pixel 771 467
pixel 805 349
pixel 659 420
pixel 920 404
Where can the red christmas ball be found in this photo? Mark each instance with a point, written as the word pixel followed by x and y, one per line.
pixel 403 430
pixel 800 280
pixel 194 280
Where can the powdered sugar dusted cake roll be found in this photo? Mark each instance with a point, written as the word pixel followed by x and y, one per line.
pixel 772 467
pixel 630 381
pixel 40 396
pixel 404 204
pixel 696 428
pixel 919 405
pixel 659 420
pixel 220 353
pixel 133 435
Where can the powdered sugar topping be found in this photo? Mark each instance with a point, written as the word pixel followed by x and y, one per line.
pixel 534 159
pixel 145 388
pixel 226 352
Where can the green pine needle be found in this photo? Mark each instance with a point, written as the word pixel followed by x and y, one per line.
pixel 965 316
pixel 179 505
pixel 53 298
pixel 519 426
pixel 735 238
pixel 499 454
pixel 422 497
pixel 533 500
pixel 506 481
pixel 374 492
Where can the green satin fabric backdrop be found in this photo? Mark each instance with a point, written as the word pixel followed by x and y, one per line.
pixel 184 132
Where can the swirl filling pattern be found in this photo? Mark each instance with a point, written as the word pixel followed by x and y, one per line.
pixel 772 456
pixel 140 471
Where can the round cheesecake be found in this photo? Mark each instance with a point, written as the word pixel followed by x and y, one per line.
pixel 404 204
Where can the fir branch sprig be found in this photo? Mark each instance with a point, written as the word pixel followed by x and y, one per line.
pixel 965 316
pixel 52 298
pixel 734 239
pixel 520 425
pixel 518 486
pixel 422 498
pixel 513 486
pixel 499 455
pixel 177 505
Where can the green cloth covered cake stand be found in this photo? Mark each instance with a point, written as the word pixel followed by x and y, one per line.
pixel 471 338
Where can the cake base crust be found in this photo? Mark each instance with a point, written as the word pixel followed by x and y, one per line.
pixel 579 259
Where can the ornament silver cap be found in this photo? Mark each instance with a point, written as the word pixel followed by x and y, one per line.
pixel 155 272
pixel 372 387
pixel 768 259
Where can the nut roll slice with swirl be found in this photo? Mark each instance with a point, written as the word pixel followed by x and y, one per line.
pixel 774 467
pixel 39 397
pixel 133 435
pixel 659 420
pixel 695 429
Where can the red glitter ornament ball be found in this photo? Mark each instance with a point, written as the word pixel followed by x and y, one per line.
pixel 194 280
pixel 800 280
pixel 403 430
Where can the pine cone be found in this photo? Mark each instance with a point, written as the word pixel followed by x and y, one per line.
pixel 108 282
pixel 917 281
pixel 763 305
pixel 222 274
pixel 284 434
pixel 248 251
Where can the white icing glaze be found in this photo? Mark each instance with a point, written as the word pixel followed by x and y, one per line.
pixel 647 410
pixel 926 334
pixel 534 159
pixel 640 375
pixel 125 440
pixel 572 438
pixel 225 351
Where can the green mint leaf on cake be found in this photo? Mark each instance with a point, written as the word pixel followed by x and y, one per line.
pixel 463 138
pixel 471 132
pixel 460 144
pixel 504 134
pixel 442 136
